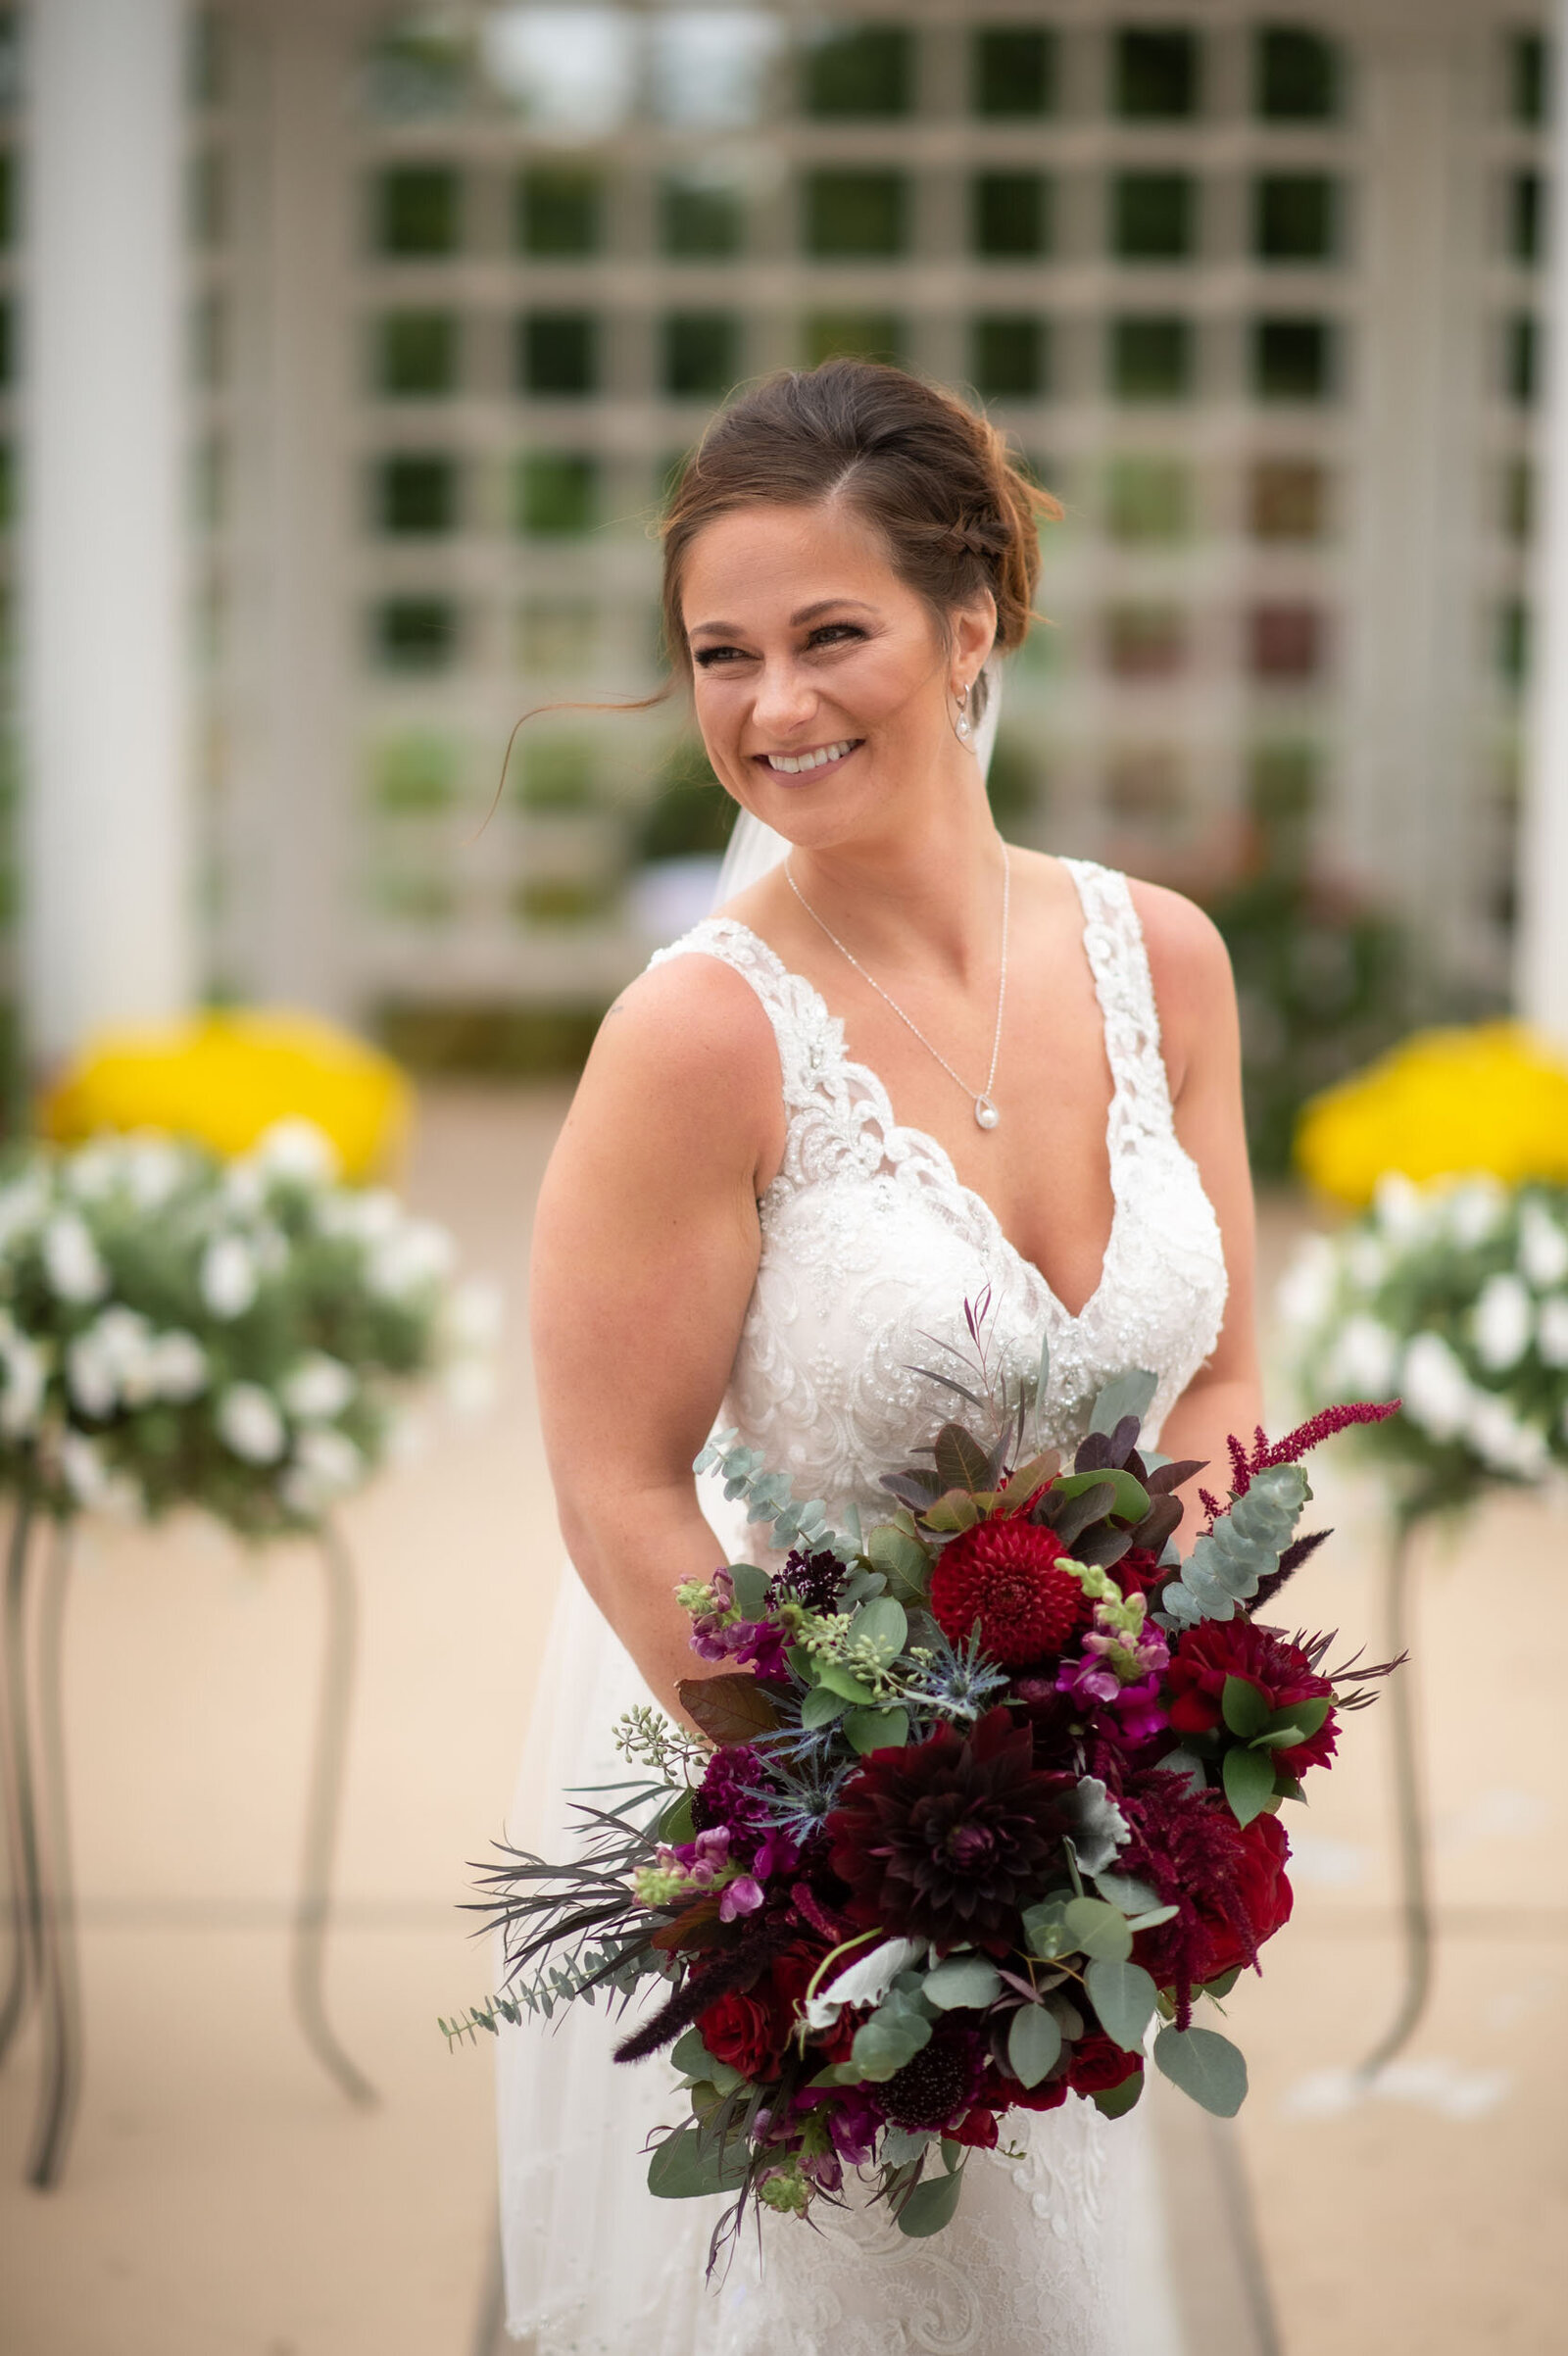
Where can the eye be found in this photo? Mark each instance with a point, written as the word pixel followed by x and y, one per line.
pixel 836 633
pixel 709 656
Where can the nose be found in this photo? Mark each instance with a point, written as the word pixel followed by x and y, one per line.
pixel 785 700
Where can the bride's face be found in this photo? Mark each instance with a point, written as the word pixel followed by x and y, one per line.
pixel 822 686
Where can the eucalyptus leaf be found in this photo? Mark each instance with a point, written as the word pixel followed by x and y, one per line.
pixel 1124 1997
pixel 1127 1891
pixel 751 1587
pixel 902 1561
pixel 689 2165
pixel 820 1707
pixel 1098 1929
pixel 882 1623
pixel 1114 2102
pixel 1034 2043
pixel 1044 1929
pixel 690 2056
pixel 677 1824
pixel 1204 2065
pixel 967 1981
pixel 930 2206
pixel 844 1682
pixel 1248 1778
pixel 1129 1394
pixel 868 1730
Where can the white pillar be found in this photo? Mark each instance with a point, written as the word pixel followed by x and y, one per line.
pixel 1542 966
pixel 106 884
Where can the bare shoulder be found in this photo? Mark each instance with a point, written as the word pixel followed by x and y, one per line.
pixel 1189 968
pixel 689 1043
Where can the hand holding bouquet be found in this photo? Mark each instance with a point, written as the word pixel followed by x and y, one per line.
pixel 990 1790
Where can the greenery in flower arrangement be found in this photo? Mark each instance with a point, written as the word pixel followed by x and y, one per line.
pixel 178 1329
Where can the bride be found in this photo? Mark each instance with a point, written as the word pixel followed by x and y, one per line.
pixel 909 1064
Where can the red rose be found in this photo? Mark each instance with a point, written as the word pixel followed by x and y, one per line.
pixel 1280 1671
pixel 1266 1896
pixel 978 2130
pixel 792 1975
pixel 740 2031
pixel 1138 1572
pixel 1002 2093
pixel 1098 2063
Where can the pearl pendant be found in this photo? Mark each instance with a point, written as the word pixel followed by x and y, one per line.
pixel 985 1113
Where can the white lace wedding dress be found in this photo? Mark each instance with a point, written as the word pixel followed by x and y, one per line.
pixel 871 1246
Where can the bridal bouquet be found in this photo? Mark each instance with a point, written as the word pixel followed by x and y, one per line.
pixel 990 1790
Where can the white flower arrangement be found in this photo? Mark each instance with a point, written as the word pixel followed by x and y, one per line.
pixel 1454 1297
pixel 177 1329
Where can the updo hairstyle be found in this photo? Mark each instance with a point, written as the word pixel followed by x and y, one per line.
pixel 952 507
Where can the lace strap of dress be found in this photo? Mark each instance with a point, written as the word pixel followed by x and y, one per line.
pixel 811 1041
pixel 1113 943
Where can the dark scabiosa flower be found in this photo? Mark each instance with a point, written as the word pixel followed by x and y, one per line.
pixel 941 2083
pixel 736 1791
pixel 1007 1575
pixel 811 1580
pixel 949 1840
pixel 1215 1649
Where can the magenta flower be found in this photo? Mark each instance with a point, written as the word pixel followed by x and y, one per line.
pixel 740 1896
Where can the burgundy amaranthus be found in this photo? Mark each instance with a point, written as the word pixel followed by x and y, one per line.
pixel 1264 1454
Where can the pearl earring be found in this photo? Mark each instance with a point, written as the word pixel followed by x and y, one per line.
pixel 964 730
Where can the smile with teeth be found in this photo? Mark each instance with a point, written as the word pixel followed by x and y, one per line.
pixel 792 764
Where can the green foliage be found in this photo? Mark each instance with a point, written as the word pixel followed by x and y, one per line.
pixel 1225 1566
pixel 931 2205
pixel 1204 2065
pixel 1034 2043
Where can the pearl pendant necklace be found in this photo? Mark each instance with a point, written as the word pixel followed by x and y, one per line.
pixel 984 1112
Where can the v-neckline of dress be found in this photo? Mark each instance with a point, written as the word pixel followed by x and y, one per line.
pixel 936 1152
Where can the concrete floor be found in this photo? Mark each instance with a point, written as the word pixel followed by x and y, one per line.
pixel 223 2200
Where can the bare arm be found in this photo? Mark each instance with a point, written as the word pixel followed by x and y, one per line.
pixel 645 1251
pixel 1197 1000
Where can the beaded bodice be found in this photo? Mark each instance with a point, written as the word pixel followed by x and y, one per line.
pixel 871 1244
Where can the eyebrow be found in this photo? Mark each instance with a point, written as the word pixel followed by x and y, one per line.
pixel 798 620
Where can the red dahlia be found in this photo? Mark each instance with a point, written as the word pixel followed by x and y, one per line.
pixel 1007 1575
pixel 1282 1673
pixel 948 1839
pixel 1227 1885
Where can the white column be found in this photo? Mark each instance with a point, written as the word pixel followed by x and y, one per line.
pixel 106 884
pixel 1542 963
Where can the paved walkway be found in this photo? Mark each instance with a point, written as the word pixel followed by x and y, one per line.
pixel 223 2200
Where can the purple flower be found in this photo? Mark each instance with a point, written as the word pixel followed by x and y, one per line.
pixel 776 1853
pixel 853 2119
pixel 740 1896
pixel 1088 1681
pixel 762 1645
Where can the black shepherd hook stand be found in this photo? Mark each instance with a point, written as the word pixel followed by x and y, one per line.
pixel 43 1970
pixel 1409 1806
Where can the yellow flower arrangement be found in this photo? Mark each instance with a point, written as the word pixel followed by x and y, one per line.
pixel 1491 1099
pixel 223 1077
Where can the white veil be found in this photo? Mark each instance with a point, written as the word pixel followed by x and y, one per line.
pixel 754 848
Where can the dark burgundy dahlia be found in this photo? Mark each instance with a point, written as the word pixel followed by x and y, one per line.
pixel 949 1840
pixel 1007 1575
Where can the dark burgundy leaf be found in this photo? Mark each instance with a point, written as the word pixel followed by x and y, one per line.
pixel 1158 1523
pixel 1166 1477
pixel 731 1708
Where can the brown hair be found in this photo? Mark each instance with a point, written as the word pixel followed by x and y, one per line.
pixel 937 482
pixel 953 506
